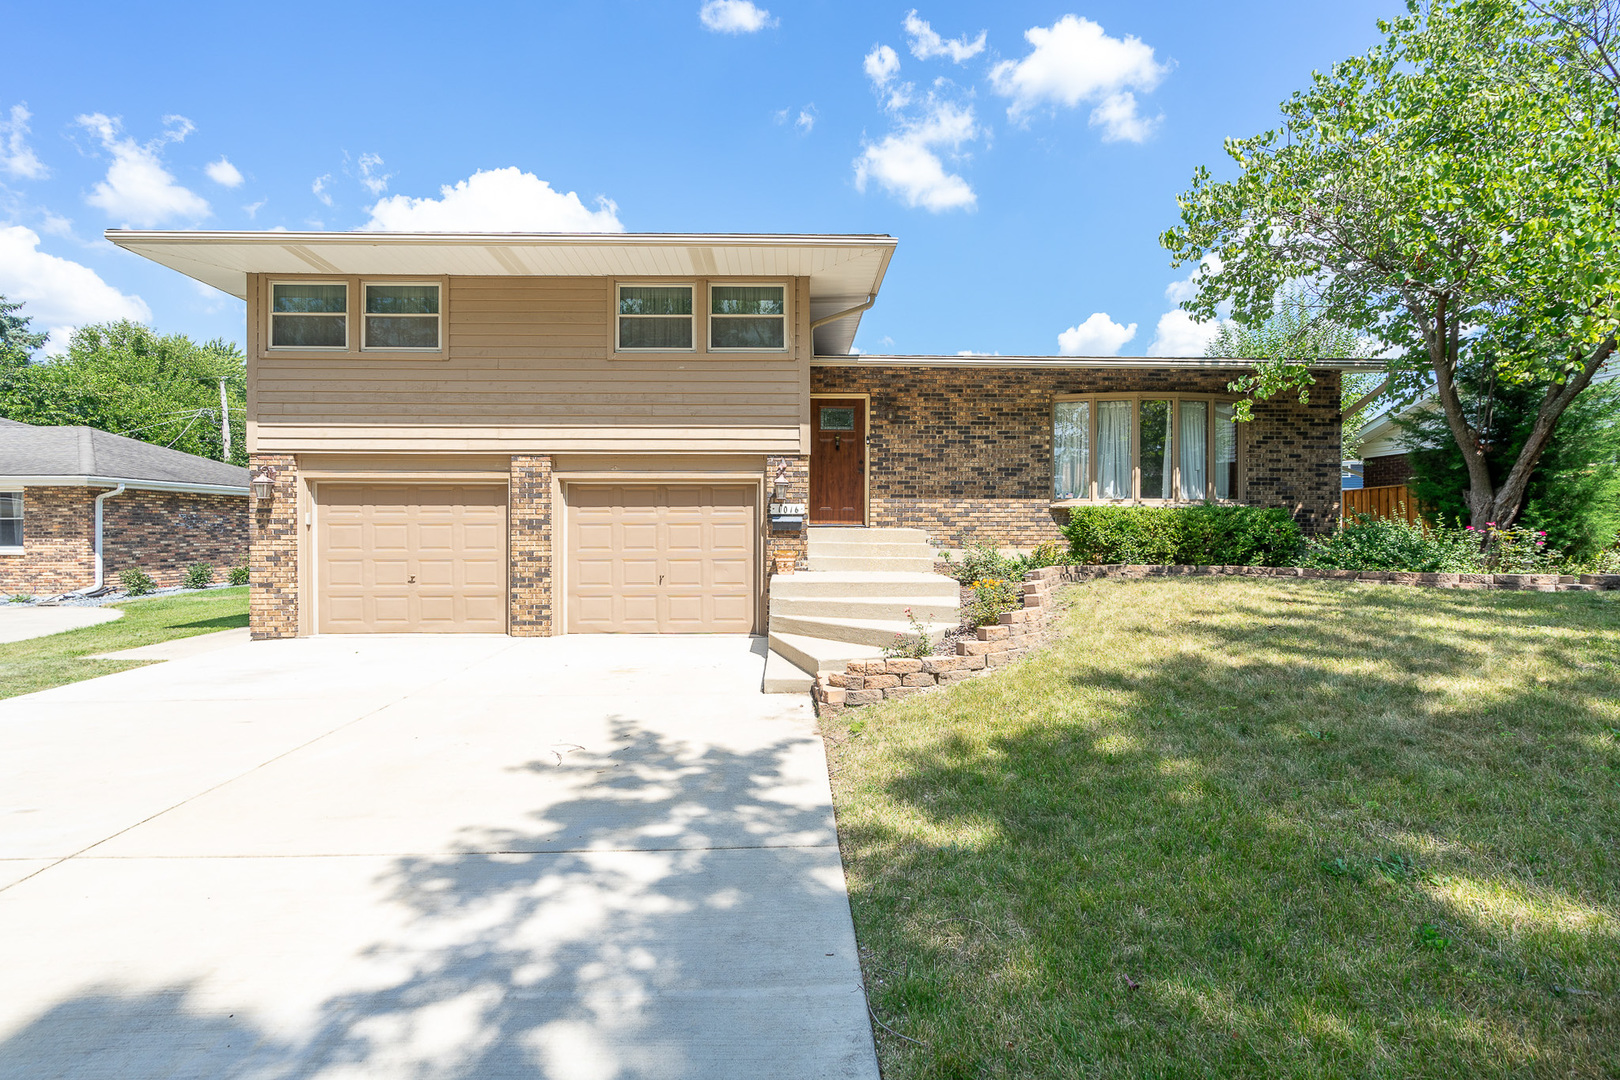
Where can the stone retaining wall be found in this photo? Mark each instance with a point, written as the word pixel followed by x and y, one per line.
pixel 867 682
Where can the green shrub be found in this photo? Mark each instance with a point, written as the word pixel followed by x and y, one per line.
pixel 984 561
pixel 136 582
pixel 1205 535
pixel 915 645
pixel 991 597
pixel 240 575
pixel 20 598
pixel 1364 542
pixel 199 576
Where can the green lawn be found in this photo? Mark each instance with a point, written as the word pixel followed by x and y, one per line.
pixel 1226 827
pixel 41 663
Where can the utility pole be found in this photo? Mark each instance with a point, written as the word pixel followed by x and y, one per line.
pixel 224 425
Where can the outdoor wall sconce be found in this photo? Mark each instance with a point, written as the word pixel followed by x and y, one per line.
pixel 264 483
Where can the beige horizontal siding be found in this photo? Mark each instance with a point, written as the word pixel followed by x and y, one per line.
pixel 530 366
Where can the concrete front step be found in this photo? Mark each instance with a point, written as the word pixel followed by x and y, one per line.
pixel 877 632
pixel 867 584
pixel 817 655
pixel 854 534
pixel 937 609
pixel 782 676
pixel 915 565
pixel 880 550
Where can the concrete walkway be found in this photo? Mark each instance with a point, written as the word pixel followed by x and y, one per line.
pixel 181 648
pixel 417 857
pixel 19 622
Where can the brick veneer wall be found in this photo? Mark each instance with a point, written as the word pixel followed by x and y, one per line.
pixel 273 552
pixel 792 475
pixel 966 453
pixel 58 543
pixel 1386 470
pixel 165 532
pixel 529 546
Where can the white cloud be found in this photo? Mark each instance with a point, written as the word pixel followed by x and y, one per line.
pixel 60 295
pixel 57 225
pixel 497 200
pixel 1187 288
pixel 1075 61
pixel 926 43
pixel 807 119
pixel 370 178
pixel 905 162
pixel 734 17
pixel 318 189
pixel 1178 335
pixel 882 64
pixel 222 172
pixel 1097 336
pixel 17 157
pixel 138 190
pixel 252 209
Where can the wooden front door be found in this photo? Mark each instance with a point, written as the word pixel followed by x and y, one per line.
pixel 838 461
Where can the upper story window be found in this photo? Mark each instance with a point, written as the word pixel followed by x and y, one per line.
pixel 748 317
pixel 11 520
pixel 655 317
pixel 309 315
pixel 402 316
pixel 1155 448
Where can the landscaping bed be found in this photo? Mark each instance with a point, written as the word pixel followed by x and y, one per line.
pixel 1228 826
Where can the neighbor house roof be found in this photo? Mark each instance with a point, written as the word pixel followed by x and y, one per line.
pixel 844 270
pixel 73 456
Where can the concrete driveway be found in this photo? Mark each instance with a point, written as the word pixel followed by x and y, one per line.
pixel 583 857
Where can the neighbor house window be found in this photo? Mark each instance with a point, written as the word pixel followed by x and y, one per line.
pixel 11 520
pixel 1154 448
pixel 402 317
pixel 309 315
pixel 748 317
pixel 655 317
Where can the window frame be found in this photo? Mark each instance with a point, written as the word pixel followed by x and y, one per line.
pixel 438 316
pixel 1092 495
pixel 21 547
pixel 618 290
pixel 709 316
pixel 270 314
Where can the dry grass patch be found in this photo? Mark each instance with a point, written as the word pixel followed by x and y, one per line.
pixel 1229 827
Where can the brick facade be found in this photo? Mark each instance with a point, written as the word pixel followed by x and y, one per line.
pixel 160 532
pixel 273 598
pixel 164 533
pixel 966 453
pixel 1386 470
pixel 529 547
pixel 787 479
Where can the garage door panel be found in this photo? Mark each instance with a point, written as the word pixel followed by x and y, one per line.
pixel 405 558
pixel 679 558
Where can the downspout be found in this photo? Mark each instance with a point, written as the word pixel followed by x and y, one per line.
pixel 100 571
pixel 871 298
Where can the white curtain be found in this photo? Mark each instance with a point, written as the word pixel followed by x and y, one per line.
pixel 1225 452
pixel 1114 449
pixel 1071 438
pixel 1193 437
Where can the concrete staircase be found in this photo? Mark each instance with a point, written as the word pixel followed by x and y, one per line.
pixel 852 602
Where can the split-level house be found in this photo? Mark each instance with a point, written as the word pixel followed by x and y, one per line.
pixel 538 434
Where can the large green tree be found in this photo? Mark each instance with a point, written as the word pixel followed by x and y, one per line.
pixel 1454 195
pixel 126 378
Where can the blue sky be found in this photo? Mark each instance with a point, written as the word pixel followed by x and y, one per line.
pixel 1027 155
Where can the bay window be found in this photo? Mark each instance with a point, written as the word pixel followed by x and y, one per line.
pixel 1143 447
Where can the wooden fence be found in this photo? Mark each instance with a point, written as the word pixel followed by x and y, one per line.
pixel 1386 501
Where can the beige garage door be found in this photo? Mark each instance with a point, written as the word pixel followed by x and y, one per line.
pixel 399 559
pixel 661 559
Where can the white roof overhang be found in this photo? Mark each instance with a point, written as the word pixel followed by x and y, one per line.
pixel 844 270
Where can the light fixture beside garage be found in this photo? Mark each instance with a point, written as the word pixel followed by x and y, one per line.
pixel 264 483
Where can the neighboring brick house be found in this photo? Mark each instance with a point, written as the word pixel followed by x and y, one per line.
pixel 78 505
pixel 541 434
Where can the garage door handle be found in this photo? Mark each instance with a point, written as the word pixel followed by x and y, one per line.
pixel 660 579
pixel 411 580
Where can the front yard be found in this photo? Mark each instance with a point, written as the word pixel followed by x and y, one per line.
pixel 43 662
pixel 1229 827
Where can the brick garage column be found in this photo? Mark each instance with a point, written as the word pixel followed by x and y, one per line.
pixel 529 547
pixel 273 551
pixel 787 479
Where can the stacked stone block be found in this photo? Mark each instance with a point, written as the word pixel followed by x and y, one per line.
pixel 529 546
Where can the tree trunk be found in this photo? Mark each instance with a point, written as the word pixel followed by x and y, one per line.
pixel 1442 335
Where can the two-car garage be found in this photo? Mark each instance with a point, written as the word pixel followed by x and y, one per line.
pixel 654 558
